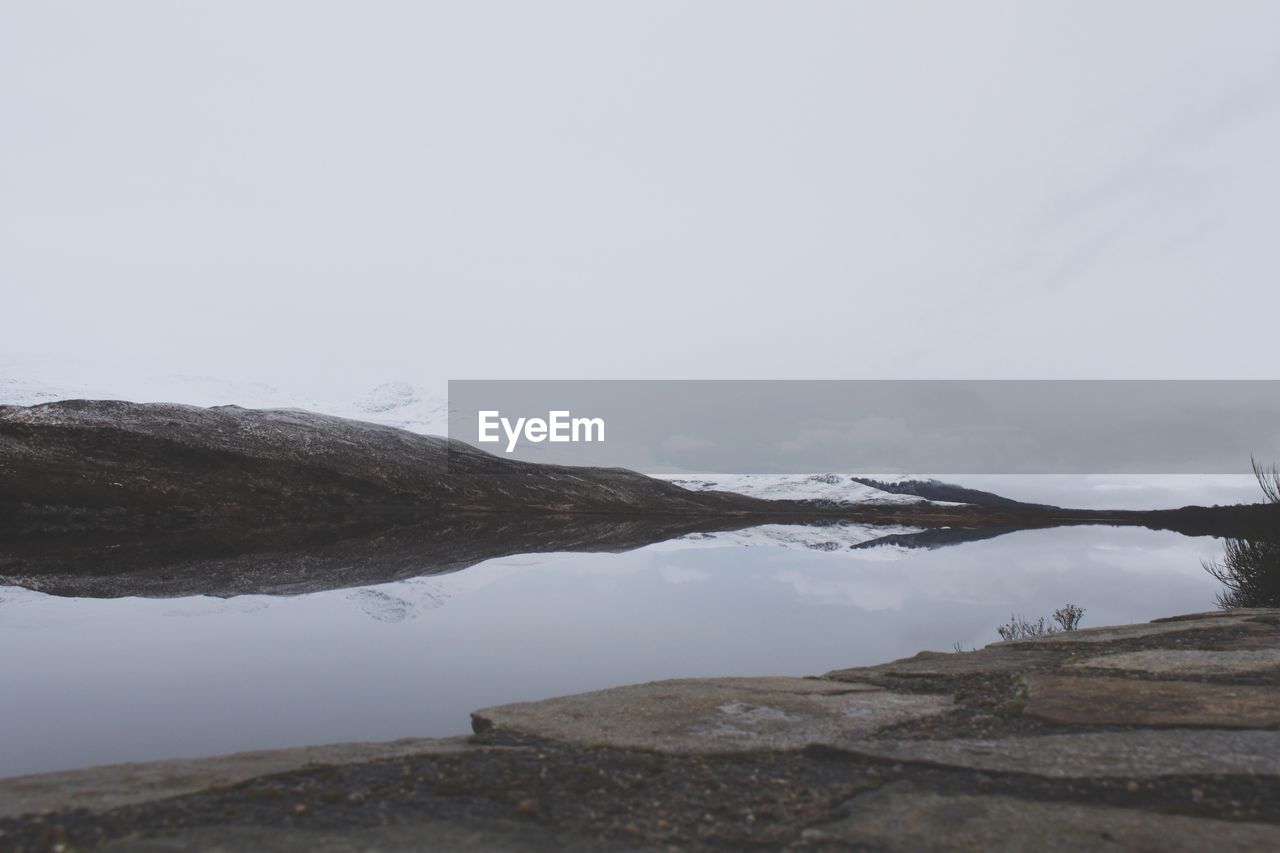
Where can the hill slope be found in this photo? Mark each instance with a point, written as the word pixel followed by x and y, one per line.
pixel 82 463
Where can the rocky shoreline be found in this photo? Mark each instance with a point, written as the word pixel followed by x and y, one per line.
pixel 1164 735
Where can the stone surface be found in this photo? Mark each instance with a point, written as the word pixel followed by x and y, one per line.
pixel 1252 640
pixel 992 659
pixel 898 818
pixel 112 785
pixel 1187 661
pixel 714 715
pixel 1105 700
pixel 443 835
pixel 1163 752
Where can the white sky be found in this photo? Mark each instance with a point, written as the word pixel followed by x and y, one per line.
pixel 364 191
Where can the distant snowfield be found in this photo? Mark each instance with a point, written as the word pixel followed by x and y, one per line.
pixel 1084 491
pixel 837 488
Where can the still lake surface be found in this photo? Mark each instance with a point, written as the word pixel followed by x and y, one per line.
pixel 89 681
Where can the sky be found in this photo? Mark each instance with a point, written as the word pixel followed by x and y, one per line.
pixel 317 192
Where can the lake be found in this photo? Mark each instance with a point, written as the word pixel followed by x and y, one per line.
pixel 93 681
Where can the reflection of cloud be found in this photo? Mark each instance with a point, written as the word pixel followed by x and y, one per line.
pixel 685 444
pixel 205 606
pixel 683 574
pixel 866 593
pixel 883 553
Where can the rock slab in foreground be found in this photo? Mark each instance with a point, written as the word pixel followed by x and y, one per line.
pixel 113 785
pixel 713 715
pixel 1092 755
pixel 1107 700
pixel 493 836
pixel 922 820
pixel 1188 662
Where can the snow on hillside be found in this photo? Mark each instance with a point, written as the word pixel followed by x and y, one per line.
pixel 402 405
pixel 397 404
pixel 837 488
pixel 19 392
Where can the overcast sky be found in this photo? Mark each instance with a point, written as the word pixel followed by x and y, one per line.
pixel 420 191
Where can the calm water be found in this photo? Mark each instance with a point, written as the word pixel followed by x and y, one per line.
pixel 97 681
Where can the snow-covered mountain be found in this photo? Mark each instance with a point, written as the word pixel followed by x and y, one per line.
pixel 402 405
pixel 836 488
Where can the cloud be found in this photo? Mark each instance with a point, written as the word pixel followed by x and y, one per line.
pixel 677 444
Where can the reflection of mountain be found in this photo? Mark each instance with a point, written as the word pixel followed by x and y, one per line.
pixel 295 559
pixel 398 602
pixel 932 539
pixel 291 560
pixel 833 537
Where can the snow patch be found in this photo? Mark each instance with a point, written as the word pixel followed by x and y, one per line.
pixel 394 404
pixel 835 488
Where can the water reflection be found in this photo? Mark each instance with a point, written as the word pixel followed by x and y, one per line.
pixel 200 675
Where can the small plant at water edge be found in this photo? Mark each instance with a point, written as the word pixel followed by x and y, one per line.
pixel 1020 628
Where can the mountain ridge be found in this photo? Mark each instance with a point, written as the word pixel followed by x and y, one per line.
pixel 115 463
